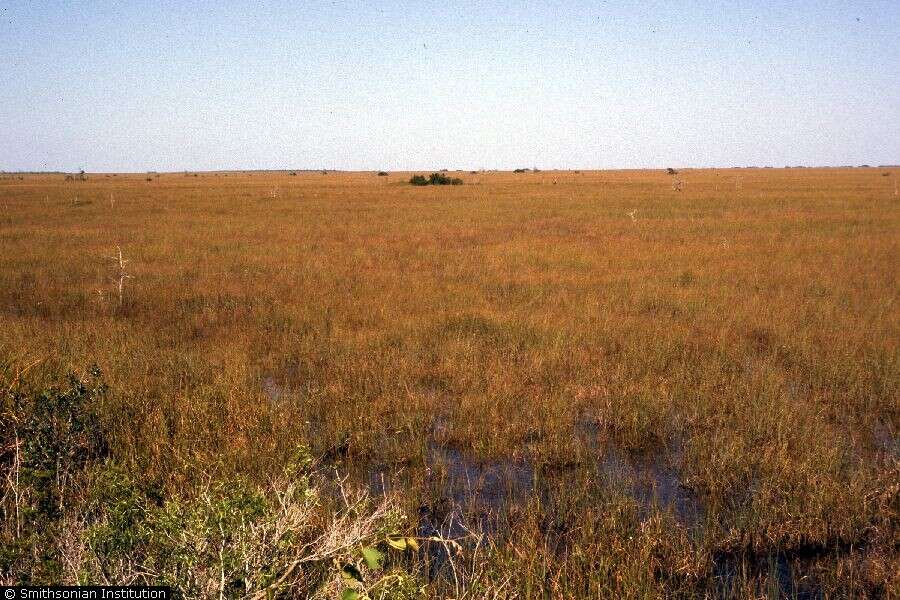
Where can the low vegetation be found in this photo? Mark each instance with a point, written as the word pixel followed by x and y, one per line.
pixel 73 515
pixel 435 179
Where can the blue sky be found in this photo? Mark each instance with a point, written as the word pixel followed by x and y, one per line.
pixel 128 86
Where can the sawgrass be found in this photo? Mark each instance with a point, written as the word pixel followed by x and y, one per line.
pixel 741 332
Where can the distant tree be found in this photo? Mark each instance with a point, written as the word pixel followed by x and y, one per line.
pixel 435 179
pixel 671 171
pixel 382 173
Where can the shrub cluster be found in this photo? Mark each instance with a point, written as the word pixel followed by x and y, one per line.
pixel 74 515
pixel 435 179
pixel 48 439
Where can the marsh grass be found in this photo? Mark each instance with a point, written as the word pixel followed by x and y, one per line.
pixel 728 351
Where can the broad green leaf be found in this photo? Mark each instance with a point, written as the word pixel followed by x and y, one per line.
pixel 373 557
pixel 396 542
pixel 350 594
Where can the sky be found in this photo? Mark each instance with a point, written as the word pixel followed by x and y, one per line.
pixel 179 85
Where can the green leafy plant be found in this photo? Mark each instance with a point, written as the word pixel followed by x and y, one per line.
pixel 359 587
pixel 435 179
pixel 48 439
pixel 54 433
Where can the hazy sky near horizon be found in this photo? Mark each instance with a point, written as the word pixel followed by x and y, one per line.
pixel 170 85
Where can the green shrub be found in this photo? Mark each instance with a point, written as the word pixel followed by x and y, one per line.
pixel 120 509
pixel 78 517
pixel 58 433
pixel 48 439
pixel 435 179
pixel 236 539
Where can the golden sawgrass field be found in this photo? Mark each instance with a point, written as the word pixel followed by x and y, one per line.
pixel 633 390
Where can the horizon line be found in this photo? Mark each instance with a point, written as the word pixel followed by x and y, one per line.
pixel 471 171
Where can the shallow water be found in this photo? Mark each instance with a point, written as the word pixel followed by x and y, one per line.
pixel 273 390
pixel 650 478
pixel 467 493
pixel 652 483
pixel 476 492
pixel 466 498
pixel 471 493
pixel 780 576
pixel 887 442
